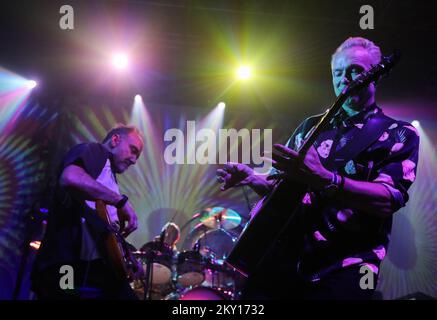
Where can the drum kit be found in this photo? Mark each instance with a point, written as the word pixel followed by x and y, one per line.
pixel 198 273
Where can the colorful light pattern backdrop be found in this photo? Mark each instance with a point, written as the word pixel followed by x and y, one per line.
pixel 25 131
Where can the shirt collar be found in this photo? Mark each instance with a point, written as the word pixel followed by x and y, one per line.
pixel 342 118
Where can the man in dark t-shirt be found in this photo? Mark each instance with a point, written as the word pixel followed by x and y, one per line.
pixel 346 213
pixel 75 234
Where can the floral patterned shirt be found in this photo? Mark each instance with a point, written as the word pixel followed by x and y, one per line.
pixel 337 237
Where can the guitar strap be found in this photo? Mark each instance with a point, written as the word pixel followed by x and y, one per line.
pixel 366 136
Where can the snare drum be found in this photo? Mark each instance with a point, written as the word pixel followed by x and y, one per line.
pixel 190 268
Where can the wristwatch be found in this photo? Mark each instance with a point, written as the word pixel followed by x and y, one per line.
pixel 120 204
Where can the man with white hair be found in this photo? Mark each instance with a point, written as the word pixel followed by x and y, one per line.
pixel 346 214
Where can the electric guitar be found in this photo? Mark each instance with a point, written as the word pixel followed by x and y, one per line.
pixel 118 251
pixel 275 214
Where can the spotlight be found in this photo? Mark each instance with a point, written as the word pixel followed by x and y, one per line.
pixel 120 61
pixel 244 72
pixel 35 244
pixel 221 105
pixel 31 84
pixel 138 98
pixel 415 123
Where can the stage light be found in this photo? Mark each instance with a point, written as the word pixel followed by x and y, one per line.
pixel 35 244
pixel 244 72
pixel 120 61
pixel 31 84
pixel 138 98
pixel 415 123
pixel 221 105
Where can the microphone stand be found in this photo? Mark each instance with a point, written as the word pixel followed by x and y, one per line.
pixel 150 258
pixel 35 229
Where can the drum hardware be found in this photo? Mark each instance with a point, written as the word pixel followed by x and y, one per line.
pixel 190 268
pixel 199 271
pixel 157 260
pixel 148 277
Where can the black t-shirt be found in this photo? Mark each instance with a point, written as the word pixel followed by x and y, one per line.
pixel 62 242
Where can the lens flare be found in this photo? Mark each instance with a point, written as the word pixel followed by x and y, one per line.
pixel 31 84
pixel 120 61
pixel 14 93
pixel 244 72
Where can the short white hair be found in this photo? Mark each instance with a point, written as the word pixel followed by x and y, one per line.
pixel 373 50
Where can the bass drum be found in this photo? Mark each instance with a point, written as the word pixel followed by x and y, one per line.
pixel 162 256
pixel 190 268
pixel 198 293
pixel 203 293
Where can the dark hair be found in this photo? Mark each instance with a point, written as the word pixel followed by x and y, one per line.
pixel 121 130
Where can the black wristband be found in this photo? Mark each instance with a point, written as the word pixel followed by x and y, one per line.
pixel 120 204
pixel 342 180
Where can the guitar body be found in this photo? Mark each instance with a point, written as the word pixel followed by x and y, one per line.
pixel 117 250
pixel 272 217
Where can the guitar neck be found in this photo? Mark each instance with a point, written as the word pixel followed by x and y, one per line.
pixel 322 124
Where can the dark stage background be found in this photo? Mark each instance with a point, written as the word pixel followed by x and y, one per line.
pixel 183 57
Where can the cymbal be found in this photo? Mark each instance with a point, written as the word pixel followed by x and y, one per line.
pixel 219 217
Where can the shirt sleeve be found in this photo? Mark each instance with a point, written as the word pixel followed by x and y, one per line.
pixel 89 156
pixel 398 171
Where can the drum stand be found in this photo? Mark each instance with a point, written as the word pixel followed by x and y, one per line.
pixel 147 282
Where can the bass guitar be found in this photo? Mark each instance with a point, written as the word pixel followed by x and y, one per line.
pixel 118 251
